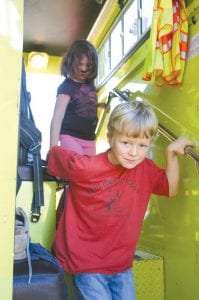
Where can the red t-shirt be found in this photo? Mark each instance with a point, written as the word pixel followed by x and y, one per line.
pixel 104 211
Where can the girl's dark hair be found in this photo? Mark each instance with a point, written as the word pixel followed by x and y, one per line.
pixel 71 59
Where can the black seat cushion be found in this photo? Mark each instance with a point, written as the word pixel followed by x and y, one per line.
pixel 47 282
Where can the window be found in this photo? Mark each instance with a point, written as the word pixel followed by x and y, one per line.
pixel 146 14
pixel 133 22
pixel 104 56
pixel 130 26
pixel 116 45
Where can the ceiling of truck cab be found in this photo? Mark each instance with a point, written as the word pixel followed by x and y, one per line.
pixel 52 25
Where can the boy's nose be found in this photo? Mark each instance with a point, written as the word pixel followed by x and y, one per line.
pixel 133 150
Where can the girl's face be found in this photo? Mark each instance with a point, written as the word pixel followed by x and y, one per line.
pixel 127 151
pixel 83 70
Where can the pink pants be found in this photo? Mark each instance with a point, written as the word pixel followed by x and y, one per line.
pixel 78 145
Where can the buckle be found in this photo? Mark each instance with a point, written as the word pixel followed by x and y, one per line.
pixel 35 217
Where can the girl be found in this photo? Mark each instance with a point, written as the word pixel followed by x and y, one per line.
pixel 75 115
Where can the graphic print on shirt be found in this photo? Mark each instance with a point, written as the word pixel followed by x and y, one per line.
pixel 112 202
pixel 86 105
pixel 112 191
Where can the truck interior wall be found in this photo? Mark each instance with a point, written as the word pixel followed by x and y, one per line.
pixel 11 40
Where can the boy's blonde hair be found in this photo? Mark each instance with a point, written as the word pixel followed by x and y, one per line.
pixel 133 119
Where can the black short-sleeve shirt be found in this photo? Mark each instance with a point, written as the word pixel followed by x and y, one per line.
pixel 80 118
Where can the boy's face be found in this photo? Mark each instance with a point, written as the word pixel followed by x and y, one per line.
pixel 127 151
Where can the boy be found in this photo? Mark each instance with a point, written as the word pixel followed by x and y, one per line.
pixel 108 196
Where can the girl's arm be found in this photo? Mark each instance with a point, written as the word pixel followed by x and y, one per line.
pixel 172 165
pixel 58 115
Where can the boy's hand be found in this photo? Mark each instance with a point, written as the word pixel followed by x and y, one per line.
pixel 179 145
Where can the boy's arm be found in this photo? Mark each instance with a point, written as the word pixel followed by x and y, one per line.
pixel 58 162
pixel 172 165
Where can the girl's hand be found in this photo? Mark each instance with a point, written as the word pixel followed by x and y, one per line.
pixel 104 106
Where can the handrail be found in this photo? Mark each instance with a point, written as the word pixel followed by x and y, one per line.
pixel 188 149
pixel 124 95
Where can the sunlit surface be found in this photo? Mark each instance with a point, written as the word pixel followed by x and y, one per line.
pixel 10 22
pixel 43 90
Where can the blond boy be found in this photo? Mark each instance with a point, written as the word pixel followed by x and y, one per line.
pixel 108 197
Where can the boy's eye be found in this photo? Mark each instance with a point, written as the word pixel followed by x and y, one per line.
pixel 143 146
pixel 125 142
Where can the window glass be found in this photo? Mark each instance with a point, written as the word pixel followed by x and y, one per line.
pixel 107 59
pixel 104 61
pixel 116 45
pixel 147 12
pixel 130 26
pixel 101 64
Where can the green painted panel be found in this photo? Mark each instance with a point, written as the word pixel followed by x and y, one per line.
pixel 11 41
pixel 42 232
pixel 149 276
